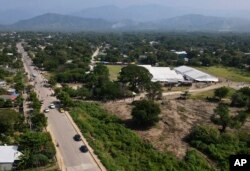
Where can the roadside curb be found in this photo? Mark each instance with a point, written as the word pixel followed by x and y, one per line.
pixel 58 154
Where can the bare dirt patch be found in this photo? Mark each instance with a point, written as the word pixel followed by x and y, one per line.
pixel 177 119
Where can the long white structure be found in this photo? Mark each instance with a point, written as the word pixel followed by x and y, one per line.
pixel 193 74
pixel 163 74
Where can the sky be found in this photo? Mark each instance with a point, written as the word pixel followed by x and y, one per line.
pixel 12 11
pixel 74 5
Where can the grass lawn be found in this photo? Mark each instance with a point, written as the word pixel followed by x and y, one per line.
pixel 232 74
pixel 114 71
pixel 210 93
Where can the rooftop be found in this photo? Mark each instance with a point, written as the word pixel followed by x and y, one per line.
pixel 195 74
pixel 8 154
pixel 163 74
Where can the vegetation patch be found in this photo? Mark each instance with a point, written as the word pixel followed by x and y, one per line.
pixel 121 149
pixel 114 71
pixel 219 146
pixel 210 94
pixel 229 73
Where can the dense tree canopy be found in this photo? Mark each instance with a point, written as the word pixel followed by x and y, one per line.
pixel 137 77
pixel 145 112
pixel 9 120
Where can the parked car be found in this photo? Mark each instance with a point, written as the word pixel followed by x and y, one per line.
pixel 84 149
pixel 52 106
pixel 46 110
pixel 61 110
pixel 77 137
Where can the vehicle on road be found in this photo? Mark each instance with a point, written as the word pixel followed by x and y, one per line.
pixel 46 110
pixel 34 75
pixel 61 110
pixel 77 137
pixel 84 149
pixel 52 106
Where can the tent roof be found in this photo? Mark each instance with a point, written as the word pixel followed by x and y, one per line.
pixel 195 74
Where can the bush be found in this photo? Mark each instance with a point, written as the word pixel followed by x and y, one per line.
pixel 39 160
pixel 218 146
pixel 221 92
pixel 146 112
pixel 204 134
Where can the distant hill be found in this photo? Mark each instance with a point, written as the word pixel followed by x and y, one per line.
pixel 57 22
pixel 194 22
pixel 187 23
pixel 13 16
pixel 142 13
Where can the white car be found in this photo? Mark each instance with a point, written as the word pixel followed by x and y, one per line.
pixel 52 106
pixel 46 110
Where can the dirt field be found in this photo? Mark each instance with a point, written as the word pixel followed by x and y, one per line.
pixel 177 119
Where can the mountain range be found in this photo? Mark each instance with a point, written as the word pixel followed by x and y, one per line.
pixel 142 13
pixel 188 23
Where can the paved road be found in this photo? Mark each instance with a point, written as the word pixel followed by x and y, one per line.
pixel 92 62
pixel 60 126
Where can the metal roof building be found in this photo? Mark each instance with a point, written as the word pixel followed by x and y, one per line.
pixel 163 74
pixel 8 154
pixel 195 75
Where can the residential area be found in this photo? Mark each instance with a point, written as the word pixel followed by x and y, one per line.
pixel 75 106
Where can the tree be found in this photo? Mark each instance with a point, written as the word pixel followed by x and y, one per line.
pixel 240 119
pixel 221 92
pixel 8 103
pixel 9 118
pixel 146 112
pixel 238 100
pixel 101 70
pixel 19 86
pixel 65 98
pixel 39 121
pixel 154 90
pixel 109 91
pixel 221 117
pixel 37 148
pixel 136 76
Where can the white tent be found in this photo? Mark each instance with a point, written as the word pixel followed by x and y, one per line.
pixel 195 75
pixel 163 74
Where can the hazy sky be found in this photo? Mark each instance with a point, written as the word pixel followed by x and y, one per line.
pixel 73 5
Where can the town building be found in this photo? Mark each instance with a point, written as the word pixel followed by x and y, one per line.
pixel 195 75
pixel 164 74
pixel 8 154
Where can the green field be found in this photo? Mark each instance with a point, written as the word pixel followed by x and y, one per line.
pixel 210 93
pixel 232 74
pixel 114 71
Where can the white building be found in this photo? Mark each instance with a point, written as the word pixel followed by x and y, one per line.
pixel 2 83
pixel 181 52
pixel 8 154
pixel 10 54
pixel 193 74
pixel 163 74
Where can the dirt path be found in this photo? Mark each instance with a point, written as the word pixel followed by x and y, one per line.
pixel 92 62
